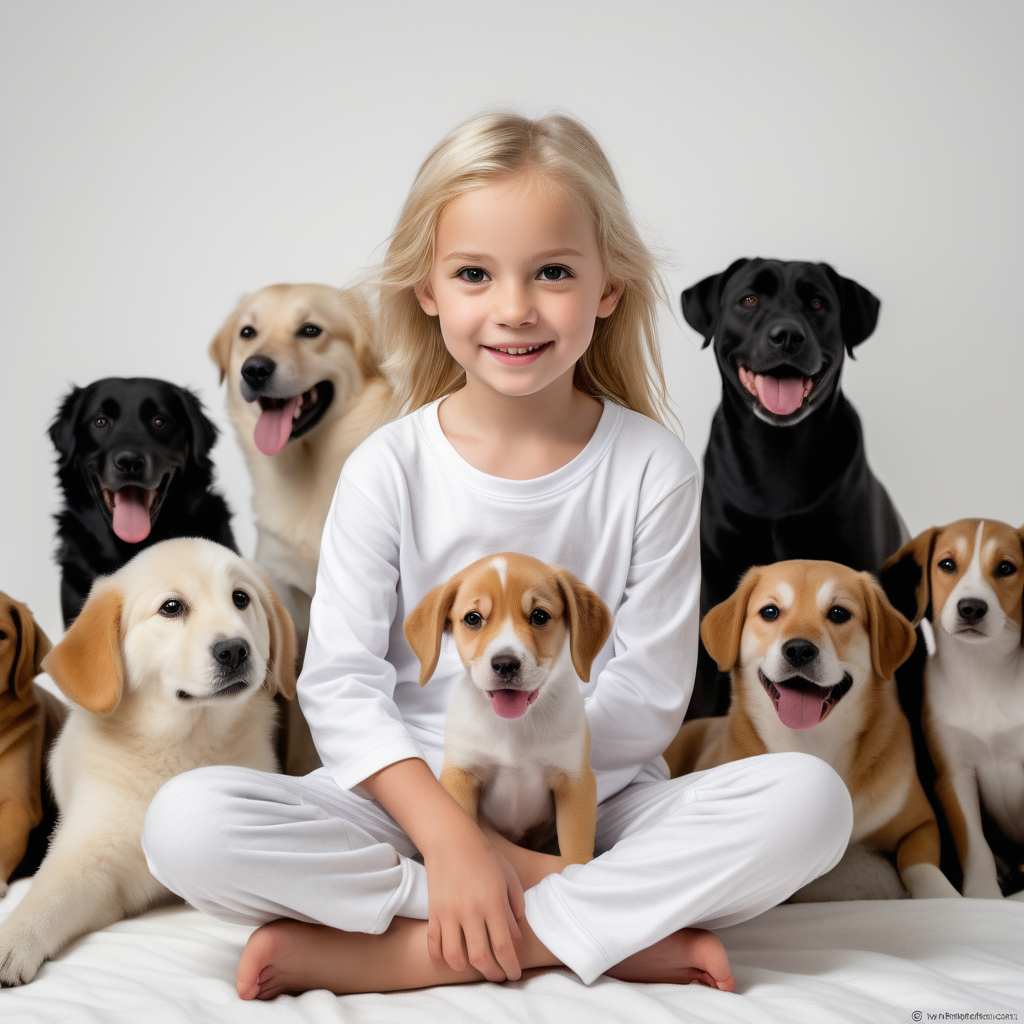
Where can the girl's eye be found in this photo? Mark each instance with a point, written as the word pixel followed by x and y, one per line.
pixel 539 617
pixel 473 620
pixel 241 598
pixel 750 301
pixel 248 332
pixel 769 613
pixel 474 275
pixel 1005 568
pixel 838 614
pixel 172 609
pixel 817 304
pixel 310 331
pixel 947 565
pixel 100 421
pixel 554 273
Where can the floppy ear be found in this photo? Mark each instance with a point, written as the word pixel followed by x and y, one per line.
pixel 220 347
pixel 33 646
pixel 282 665
pixel 204 433
pixel 87 664
pixel 62 429
pixel 892 636
pixel 858 309
pixel 590 622
pixel 723 625
pixel 906 578
pixel 426 623
pixel 702 302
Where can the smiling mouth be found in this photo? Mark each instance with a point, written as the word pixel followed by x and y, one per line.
pixel 801 704
pixel 512 703
pixel 284 419
pixel 225 691
pixel 781 390
pixel 133 510
pixel 518 355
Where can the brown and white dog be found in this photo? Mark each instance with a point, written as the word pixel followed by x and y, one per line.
pixel 967 578
pixel 29 721
pixel 812 647
pixel 171 665
pixel 517 745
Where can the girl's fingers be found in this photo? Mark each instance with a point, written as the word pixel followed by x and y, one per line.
pixel 516 900
pixel 453 946
pixel 434 939
pixel 513 924
pixel 504 950
pixel 480 955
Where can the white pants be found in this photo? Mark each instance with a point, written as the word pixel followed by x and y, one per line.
pixel 711 849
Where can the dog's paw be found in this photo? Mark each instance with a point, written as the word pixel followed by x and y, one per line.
pixel 21 955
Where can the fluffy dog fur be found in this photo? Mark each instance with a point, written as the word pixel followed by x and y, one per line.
pixel 172 664
pixel 517 745
pixel 29 720
pixel 135 469
pixel 812 647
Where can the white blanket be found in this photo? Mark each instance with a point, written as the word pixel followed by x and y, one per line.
pixel 860 961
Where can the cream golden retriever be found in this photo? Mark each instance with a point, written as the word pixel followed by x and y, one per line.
pixel 171 665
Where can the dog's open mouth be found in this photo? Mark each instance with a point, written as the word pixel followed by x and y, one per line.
pixel 512 703
pixel 285 418
pixel 781 390
pixel 801 704
pixel 133 510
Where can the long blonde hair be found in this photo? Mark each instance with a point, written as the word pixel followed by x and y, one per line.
pixel 623 361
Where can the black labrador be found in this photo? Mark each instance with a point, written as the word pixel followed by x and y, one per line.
pixel 135 469
pixel 785 472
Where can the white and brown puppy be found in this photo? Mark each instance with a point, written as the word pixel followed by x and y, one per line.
pixel 968 579
pixel 171 664
pixel 812 647
pixel 517 745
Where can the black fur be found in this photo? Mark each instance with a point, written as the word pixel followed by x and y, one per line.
pixel 173 454
pixel 779 487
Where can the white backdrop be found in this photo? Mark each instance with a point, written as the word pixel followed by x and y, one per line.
pixel 162 159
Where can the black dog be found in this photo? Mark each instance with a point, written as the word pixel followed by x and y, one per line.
pixel 135 468
pixel 785 474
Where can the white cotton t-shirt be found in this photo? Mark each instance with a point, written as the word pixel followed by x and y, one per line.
pixel 409 512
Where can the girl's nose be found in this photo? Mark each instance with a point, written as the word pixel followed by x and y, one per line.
pixel 515 307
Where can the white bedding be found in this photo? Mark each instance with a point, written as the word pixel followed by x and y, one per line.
pixel 859 961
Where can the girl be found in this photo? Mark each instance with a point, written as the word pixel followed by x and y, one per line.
pixel 520 303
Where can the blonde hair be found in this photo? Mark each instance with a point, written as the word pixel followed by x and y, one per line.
pixel 623 361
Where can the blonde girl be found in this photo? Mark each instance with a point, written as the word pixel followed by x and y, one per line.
pixel 519 304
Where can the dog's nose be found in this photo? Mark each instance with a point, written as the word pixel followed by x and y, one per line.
pixel 799 652
pixel 972 609
pixel 787 337
pixel 505 665
pixel 231 653
pixel 130 463
pixel 257 370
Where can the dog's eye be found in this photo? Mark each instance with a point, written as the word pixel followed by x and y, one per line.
pixel 172 609
pixel 947 565
pixel 241 598
pixel 769 613
pixel 158 421
pixel 100 421
pixel 3 635
pixel 750 301
pixel 247 333
pixel 1005 568
pixel 473 619
pixel 817 304
pixel 838 614
pixel 310 331
pixel 539 617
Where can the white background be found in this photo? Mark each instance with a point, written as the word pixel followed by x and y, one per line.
pixel 162 159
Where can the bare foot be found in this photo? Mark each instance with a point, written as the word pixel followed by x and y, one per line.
pixel 686 956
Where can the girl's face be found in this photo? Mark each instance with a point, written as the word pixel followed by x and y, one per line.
pixel 517 284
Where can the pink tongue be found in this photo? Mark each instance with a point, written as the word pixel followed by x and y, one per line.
pixel 799 704
pixel 131 517
pixel 274 427
pixel 780 395
pixel 510 703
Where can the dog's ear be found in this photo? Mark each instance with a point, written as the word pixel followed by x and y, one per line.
pixel 722 627
pixel 282 664
pixel 425 625
pixel 220 347
pixel 590 622
pixel 31 646
pixel 702 302
pixel 204 433
pixel 858 309
pixel 87 664
pixel 62 429
pixel 892 636
pixel 906 578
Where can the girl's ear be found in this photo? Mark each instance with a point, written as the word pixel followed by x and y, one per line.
pixel 425 295
pixel 610 297
pixel 590 622
pixel 906 576
pixel 425 625
pixel 723 625
pixel 282 667
pixel 892 636
pixel 87 663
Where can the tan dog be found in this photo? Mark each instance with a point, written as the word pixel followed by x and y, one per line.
pixel 517 745
pixel 812 647
pixel 304 389
pixel 29 720
pixel 968 579
pixel 172 664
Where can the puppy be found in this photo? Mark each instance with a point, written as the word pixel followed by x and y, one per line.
pixel 172 664
pixel 785 472
pixel 29 720
pixel 517 745
pixel 812 647
pixel 135 469
pixel 967 578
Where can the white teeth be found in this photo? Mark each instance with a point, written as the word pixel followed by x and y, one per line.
pixel 519 351
pixel 298 411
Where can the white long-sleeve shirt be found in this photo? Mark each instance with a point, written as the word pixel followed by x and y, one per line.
pixel 409 513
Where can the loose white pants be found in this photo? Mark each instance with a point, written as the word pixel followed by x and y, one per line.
pixel 711 849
